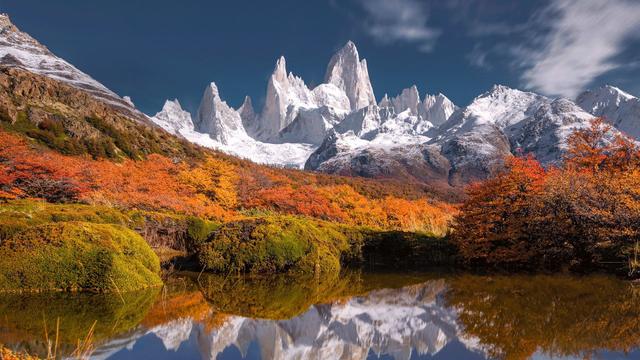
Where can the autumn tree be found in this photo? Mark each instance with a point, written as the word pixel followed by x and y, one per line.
pixel 495 224
pixel 585 213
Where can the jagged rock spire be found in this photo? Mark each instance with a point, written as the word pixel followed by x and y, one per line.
pixel 216 118
pixel 349 73
pixel 247 114
pixel 408 99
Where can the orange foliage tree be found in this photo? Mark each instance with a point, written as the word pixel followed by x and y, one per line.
pixel 586 212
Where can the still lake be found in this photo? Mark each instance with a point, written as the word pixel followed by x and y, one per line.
pixel 356 315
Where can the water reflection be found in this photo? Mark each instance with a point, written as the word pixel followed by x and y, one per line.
pixel 359 316
pixel 24 318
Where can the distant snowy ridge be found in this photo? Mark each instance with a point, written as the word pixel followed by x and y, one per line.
pixel 177 121
pixel 338 127
pixel 620 109
pixel 296 120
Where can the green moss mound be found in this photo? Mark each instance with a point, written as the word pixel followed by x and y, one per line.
pixel 77 256
pixel 15 216
pixel 275 244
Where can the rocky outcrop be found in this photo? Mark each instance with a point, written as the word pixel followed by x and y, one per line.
pixel 28 100
pixel 18 49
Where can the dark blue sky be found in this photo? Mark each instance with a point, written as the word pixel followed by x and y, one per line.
pixel 152 50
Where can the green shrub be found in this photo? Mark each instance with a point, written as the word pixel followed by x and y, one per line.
pixel 77 256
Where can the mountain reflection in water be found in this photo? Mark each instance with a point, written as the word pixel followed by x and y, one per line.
pixel 355 316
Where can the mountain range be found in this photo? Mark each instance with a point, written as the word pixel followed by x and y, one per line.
pixel 339 126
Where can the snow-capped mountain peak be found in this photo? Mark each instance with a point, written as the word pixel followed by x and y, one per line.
pixel 247 114
pixel 173 118
pixel 617 107
pixel 437 109
pixel 500 106
pixel 349 73
pixel 286 94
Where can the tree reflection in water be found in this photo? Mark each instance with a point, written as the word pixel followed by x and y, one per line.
pixel 514 317
pixel 355 315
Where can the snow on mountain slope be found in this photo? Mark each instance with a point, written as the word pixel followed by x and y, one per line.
pixel 350 74
pixel 21 50
pixel 220 127
pixel 530 121
pixel 500 106
pixel 620 109
pixel 436 109
pixel 311 125
pixel 173 118
pixel 505 121
pixel 470 145
pixel 386 156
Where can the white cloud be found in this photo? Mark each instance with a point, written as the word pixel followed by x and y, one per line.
pixel 390 21
pixel 580 41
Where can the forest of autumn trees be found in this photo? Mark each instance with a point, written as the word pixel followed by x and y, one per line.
pixel 216 187
pixel 584 212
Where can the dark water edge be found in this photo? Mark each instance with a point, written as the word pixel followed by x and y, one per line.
pixel 386 315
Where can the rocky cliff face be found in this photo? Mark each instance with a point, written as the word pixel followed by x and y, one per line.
pixel 18 49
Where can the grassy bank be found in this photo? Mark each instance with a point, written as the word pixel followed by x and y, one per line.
pixel 47 246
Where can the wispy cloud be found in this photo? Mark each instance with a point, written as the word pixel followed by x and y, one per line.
pixel 390 21
pixel 577 41
pixel 478 57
